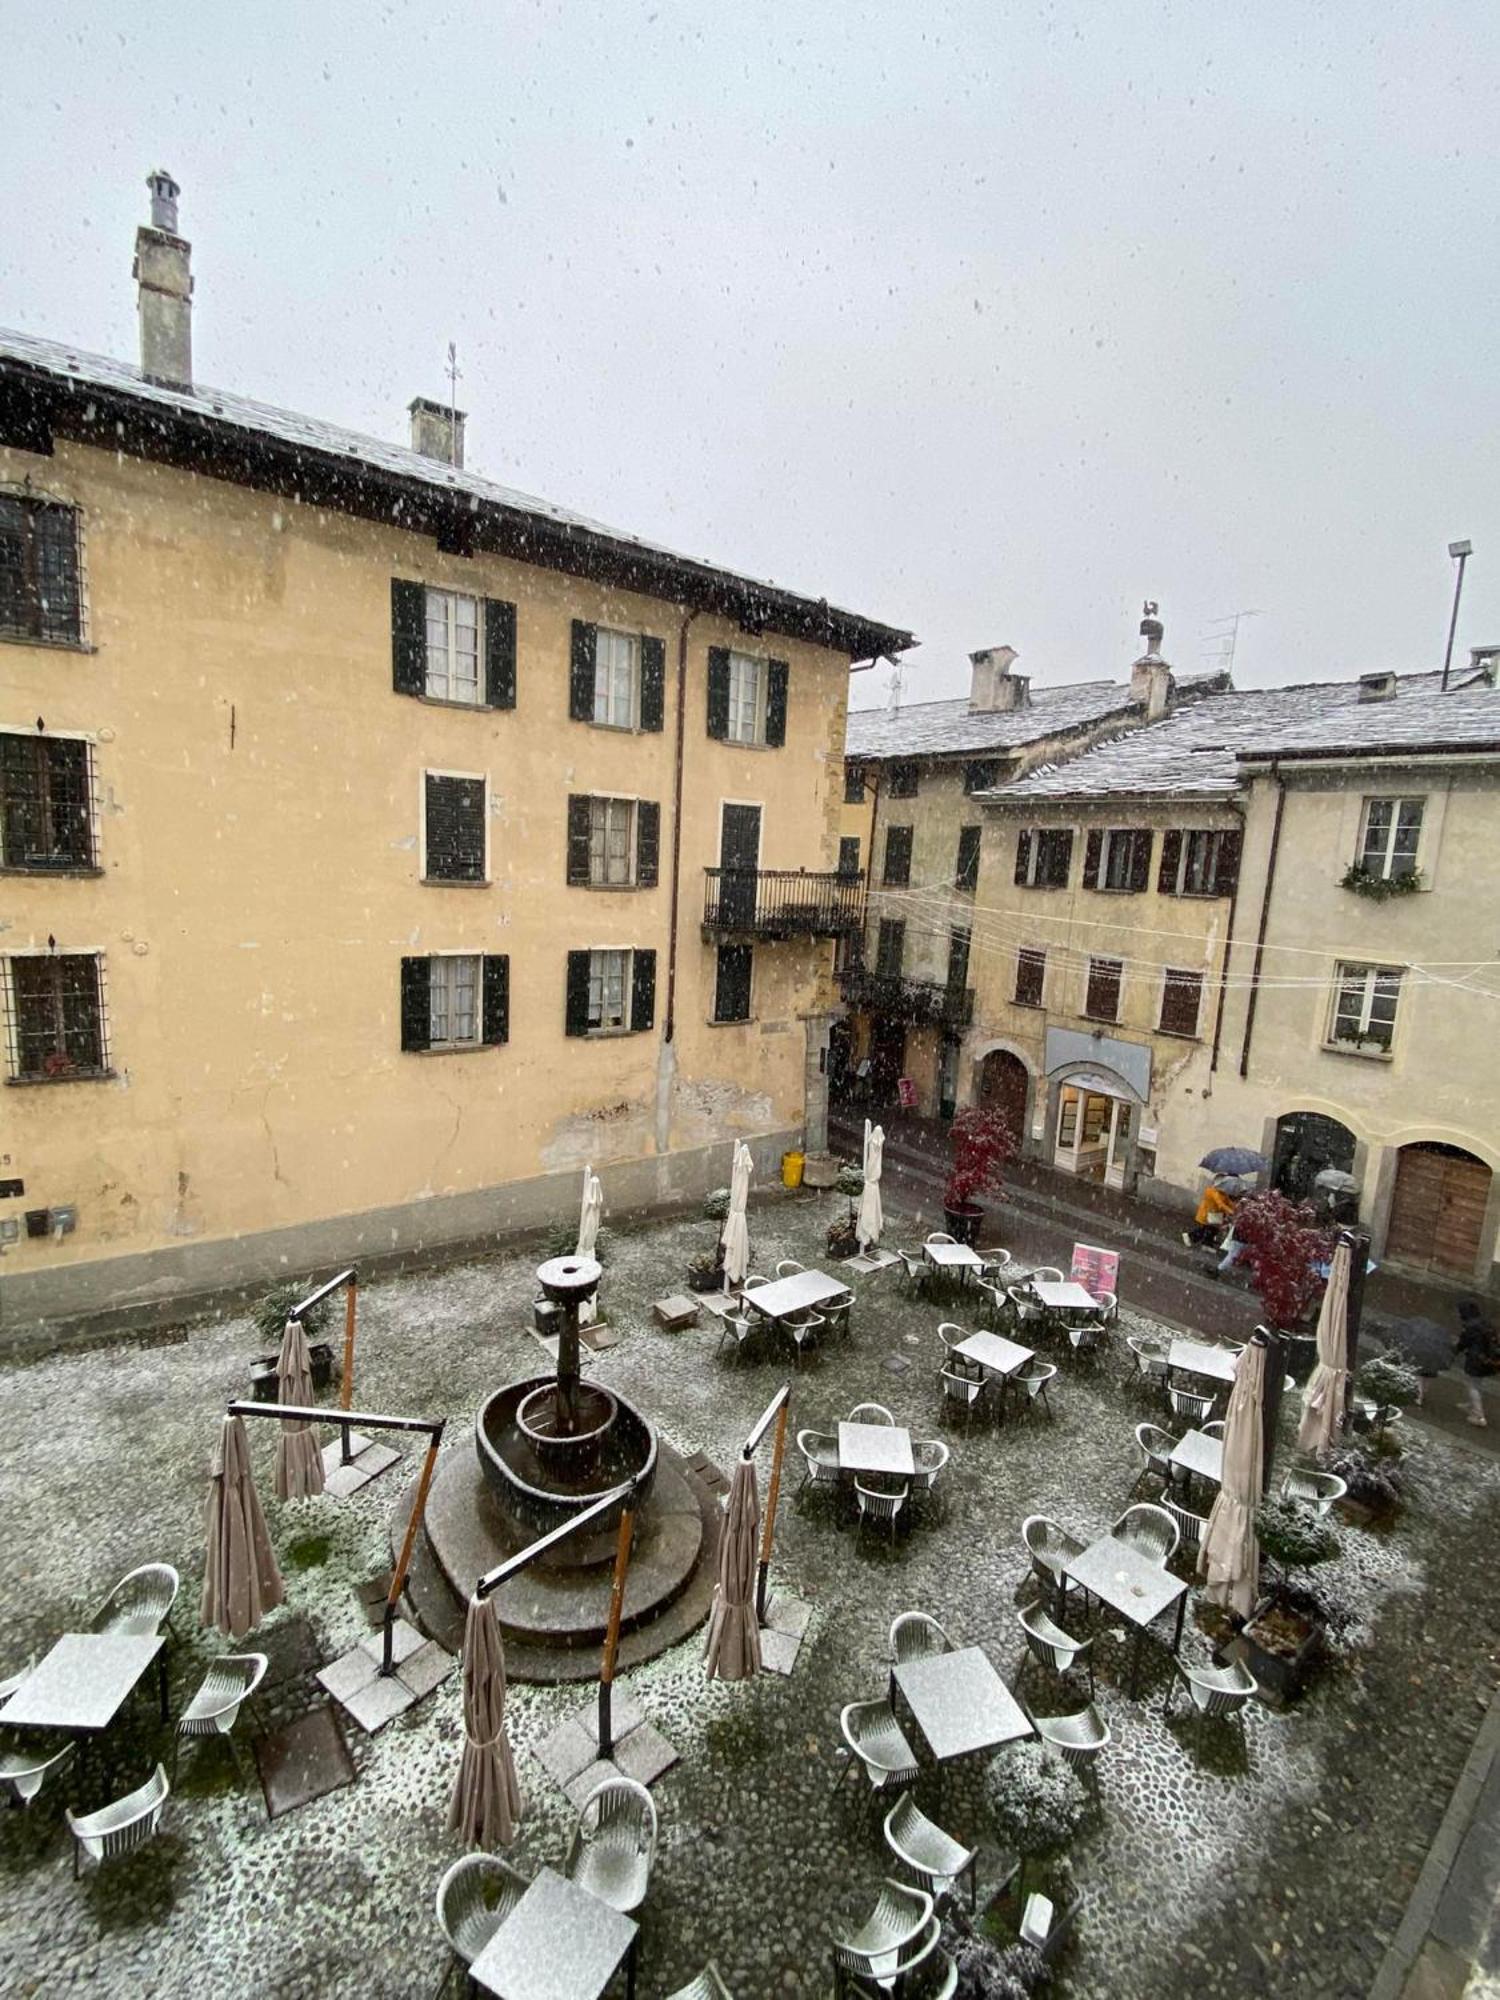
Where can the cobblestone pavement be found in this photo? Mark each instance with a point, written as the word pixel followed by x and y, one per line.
pixel 1278 1863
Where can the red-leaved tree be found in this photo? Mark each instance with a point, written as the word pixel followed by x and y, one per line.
pixel 1282 1244
pixel 982 1146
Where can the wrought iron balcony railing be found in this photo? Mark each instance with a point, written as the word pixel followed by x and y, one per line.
pixel 782 903
pixel 924 1002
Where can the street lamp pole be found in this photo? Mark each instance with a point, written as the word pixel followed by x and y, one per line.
pixel 1460 552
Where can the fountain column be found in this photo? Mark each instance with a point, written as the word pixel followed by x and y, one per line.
pixel 568 1281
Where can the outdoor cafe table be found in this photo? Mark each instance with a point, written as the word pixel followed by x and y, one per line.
pixel 558 1943
pixel 84 1681
pixel 801 1292
pixel 1132 1584
pixel 1194 1358
pixel 958 1259
pixel 1199 1454
pixel 876 1448
pixel 959 1702
pixel 1065 1297
pixel 994 1354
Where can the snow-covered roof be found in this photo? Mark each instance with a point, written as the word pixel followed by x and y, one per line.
pixel 49 365
pixel 947 728
pixel 1198 751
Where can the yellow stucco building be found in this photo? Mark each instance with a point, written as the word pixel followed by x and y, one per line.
pixel 380 845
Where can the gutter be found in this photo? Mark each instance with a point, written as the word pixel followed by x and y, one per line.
pixel 1234 903
pixel 669 1025
pixel 1265 917
pixel 1426 753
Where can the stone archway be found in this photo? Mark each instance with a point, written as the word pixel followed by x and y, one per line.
pixel 1307 1142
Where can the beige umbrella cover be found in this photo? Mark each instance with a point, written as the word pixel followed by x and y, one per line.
pixel 1323 1398
pixel 733 1649
pixel 735 1235
pixel 299 1456
pixel 486 1802
pixel 1230 1556
pixel 871 1216
pixel 241 1582
pixel 590 1212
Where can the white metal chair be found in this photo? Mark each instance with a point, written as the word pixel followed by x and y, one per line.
pixel 1214 1430
pixel 879 1506
pixel 951 1334
pixel 1155 1448
pixel 614 1844
pixel 917 1636
pixel 789 1268
pixel 1214 1691
pixel 965 1388
pixel 839 1312
pixel 1026 1308
pixel 120 1827
pixel 707 1986
pixel 937 1860
pixel 995 1260
pixel 214 1709
pixel 474 1898
pixel 1109 1308
pixel 12 1681
pixel 1188 1405
pixel 1322 1491
pixel 1032 1382
pixel 928 1456
pixel 820 1459
pixel 1049 1545
pixel 994 1300
pixel 1054 1648
pixel 1148 1528
pixel 913 1269
pixel 939 1236
pixel 738 1328
pixel 1191 1527
pixel 884 1942
pixel 140 1603
pixel 875 1744
pixel 23 1772
pixel 1084 1337
pixel 804 1329
pixel 1079 1738
pixel 1045 1274
pixel 870 1413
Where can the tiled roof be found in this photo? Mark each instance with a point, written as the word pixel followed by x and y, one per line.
pixel 72 367
pixel 1198 751
pixel 939 728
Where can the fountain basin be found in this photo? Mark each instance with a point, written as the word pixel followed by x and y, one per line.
pixel 542 1479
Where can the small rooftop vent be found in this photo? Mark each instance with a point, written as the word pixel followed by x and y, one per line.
pixel 1484 663
pixel 1377 687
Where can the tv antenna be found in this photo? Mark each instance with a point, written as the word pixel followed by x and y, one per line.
pixel 453 375
pixel 893 691
pixel 1219 646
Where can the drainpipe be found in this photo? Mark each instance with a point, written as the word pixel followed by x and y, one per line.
pixel 1234 903
pixel 670 1024
pixel 1265 918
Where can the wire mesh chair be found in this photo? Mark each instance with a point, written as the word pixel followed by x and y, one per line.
pixel 874 1743
pixel 1321 1491
pixel 474 1898
pixel 706 1986
pixel 214 1709
pixel 1150 1359
pixel 1215 1692
pixel 995 1260
pixel 789 1268
pixel 935 1858
pixel 23 1772
pixel 1189 1405
pixel 878 1949
pixel 880 1506
pixel 614 1844
pixel 1214 1430
pixel 928 1457
pixel 1191 1527
pixel 994 1301
pixel 917 1636
pixel 1026 1308
pixel 1109 1304
pixel 140 1603
pixel 120 1827
pixel 1155 1448
pixel 1078 1738
pixel 1149 1529
pixel 939 1236
pixel 964 1387
pixel 870 1413
pixel 913 1269
pixel 1055 1649
pixel 838 1312
pixel 1084 1337
pixel 1032 1382
pixel 738 1328
pixel 1049 1545
pixel 820 1459
pixel 1045 1274
pixel 951 1334
pixel 803 1328
pixel 9 1685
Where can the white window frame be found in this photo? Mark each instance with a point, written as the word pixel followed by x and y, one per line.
pixel 1213 839
pixel 451 881
pixel 742 665
pixel 1360 978
pixel 449 961
pixel 611 664
pixel 1384 869
pixel 441 686
pixel 626 955
pixel 1034 858
pixel 600 805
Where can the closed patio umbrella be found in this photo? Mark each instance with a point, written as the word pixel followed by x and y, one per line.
pixel 735 1235
pixel 1323 1398
pixel 733 1649
pixel 590 1213
pixel 1230 1556
pixel 486 1802
pixel 299 1457
pixel 871 1218
pixel 241 1582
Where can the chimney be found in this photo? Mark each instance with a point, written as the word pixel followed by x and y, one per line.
pixel 994 688
pixel 1377 686
pixel 1150 676
pixel 1484 662
pixel 164 280
pixel 437 431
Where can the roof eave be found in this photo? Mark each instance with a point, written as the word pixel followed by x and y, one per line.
pixel 1254 762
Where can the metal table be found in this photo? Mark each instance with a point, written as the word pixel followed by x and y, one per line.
pixel 959 1702
pixel 994 1353
pixel 558 1943
pixel 1200 1455
pixel 876 1448
pixel 84 1682
pixel 953 1257
pixel 1131 1584
pixel 1192 1357
pixel 1066 1297
pixel 801 1292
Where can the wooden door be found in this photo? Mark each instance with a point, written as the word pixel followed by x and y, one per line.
pixel 1002 1088
pixel 739 861
pixel 1437 1210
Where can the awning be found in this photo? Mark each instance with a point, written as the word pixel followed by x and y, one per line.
pixel 1102 1086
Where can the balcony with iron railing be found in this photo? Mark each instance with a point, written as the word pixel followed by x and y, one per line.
pixel 782 903
pixel 926 1003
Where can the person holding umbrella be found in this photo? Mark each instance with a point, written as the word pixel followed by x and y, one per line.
pixel 1215 1207
pixel 1477 1350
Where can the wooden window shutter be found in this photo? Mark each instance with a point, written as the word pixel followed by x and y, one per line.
pixel 653 682
pixel 966 871
pixel 499 653
pixel 718 693
pixel 778 676
pixel 416 1009
pixel 455 828
pixel 1093 857
pixel 576 1006
pixel 1227 873
pixel 581 671
pixel 579 809
pixel 1171 861
pixel 642 990
pixel 1023 855
pixel 408 636
pixel 496 1018
pixel 1141 842
pixel 647 843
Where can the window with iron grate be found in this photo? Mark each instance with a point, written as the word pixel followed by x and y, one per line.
pixel 40 596
pixel 56 1009
pixel 46 803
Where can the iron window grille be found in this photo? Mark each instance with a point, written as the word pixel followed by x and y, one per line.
pixel 1389 838
pixel 1365 1001
pixel 1102 1000
pixel 903 781
pixel 897 871
pixel 56 1019
pixel 454 819
pixel 48 808
pixel 1044 857
pixel 1031 975
pixel 732 976
pixel 966 869
pixel 1181 1000
pixel 41 594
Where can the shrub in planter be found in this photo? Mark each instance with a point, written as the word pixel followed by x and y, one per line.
pixel 990 1971
pixel 1037 1801
pixel 1281 1638
pixel 1388 1377
pixel 981 1147
pixel 716 1204
pixel 1292 1535
pixel 851 1181
pixel 1373 1469
pixel 707 1275
pixel 842 1239
pixel 270 1312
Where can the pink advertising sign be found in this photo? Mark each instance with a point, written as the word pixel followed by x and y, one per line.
pixel 1096 1270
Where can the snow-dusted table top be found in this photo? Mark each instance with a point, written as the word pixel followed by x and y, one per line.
pixel 953 1256
pixel 558 1943
pixel 82 1682
pixel 1194 1358
pixel 797 1293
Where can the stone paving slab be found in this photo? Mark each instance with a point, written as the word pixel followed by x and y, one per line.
pixel 373 1699
pixel 378 1702
pixel 405 1640
pixel 788 1614
pixel 645 1754
pixel 588 1780
pixel 778 1652
pixel 567 1750
pixel 427 1668
pixel 303 1762
pixel 369 1461
pixel 871 1260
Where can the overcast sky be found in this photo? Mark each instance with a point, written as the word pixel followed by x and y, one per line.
pixel 988 320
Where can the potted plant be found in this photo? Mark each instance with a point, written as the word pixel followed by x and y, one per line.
pixel 1373 1467
pixel 988 1970
pixel 1038 1803
pixel 981 1145
pixel 270 1314
pixel 1280 1640
pixel 1379 888
pixel 1385 1384
pixel 1283 1246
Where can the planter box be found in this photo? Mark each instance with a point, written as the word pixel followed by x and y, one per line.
pixel 263 1371
pixel 964 1223
pixel 546 1316
pixel 820 1170
pixel 1282 1676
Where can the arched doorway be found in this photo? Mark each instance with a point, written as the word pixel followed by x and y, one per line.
pixel 1437 1209
pixel 1003 1087
pixel 1306 1143
pixel 840 1061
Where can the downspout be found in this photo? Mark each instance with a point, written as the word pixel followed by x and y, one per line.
pixel 1234 903
pixel 1265 918
pixel 670 1024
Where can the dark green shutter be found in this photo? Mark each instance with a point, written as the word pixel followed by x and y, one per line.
pixel 1093 857
pixel 1023 855
pixel 966 872
pixel 408 636
pixel 416 1007
pixel 1227 873
pixel 653 682
pixel 647 843
pixel 732 983
pixel 1171 860
pixel 778 673
pixel 581 671
pixel 499 653
pixel 576 1007
pixel 1141 842
pixel 718 692
pixel 496 1016
pixel 642 989
pixel 579 813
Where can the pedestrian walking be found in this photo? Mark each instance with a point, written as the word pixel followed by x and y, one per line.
pixel 1213 1211
pixel 1477 1349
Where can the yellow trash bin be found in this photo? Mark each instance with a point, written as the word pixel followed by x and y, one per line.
pixel 791 1169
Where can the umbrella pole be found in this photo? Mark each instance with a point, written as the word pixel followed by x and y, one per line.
pixel 1358 1241
pixel 612 1633
pixel 398 1576
pixel 768 1526
pixel 346 1385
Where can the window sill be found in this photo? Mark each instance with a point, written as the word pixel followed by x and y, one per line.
pixel 1036 1006
pixel 1179 1034
pixel 887 883
pixel 1102 1020
pixel 455 882
pixel 454 1049
pixel 745 743
pixel 740 1021
pixel 1101 889
pixel 80 871
pixel 615 728
pixel 608 1034
pixel 78 1076
pixel 1198 895
pixel 46 645
pixel 1052 886
pixel 1353 1049
pixel 612 888
pixel 456 701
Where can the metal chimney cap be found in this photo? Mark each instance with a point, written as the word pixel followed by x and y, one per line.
pixel 164 193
